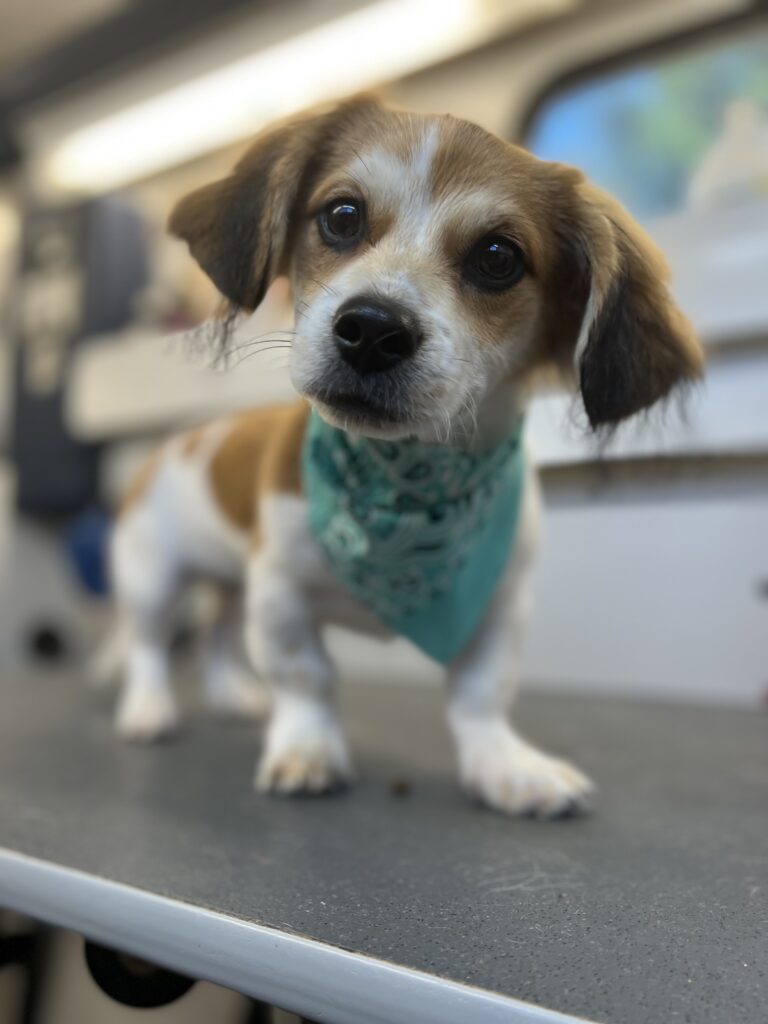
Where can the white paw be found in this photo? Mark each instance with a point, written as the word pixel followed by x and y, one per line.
pixel 145 714
pixel 303 770
pixel 305 751
pixel 235 696
pixel 511 776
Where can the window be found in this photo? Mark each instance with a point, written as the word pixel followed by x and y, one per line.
pixel 684 131
pixel 681 138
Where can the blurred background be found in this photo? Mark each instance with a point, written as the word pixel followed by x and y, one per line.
pixel 653 580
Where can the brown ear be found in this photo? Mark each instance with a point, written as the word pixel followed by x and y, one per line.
pixel 238 228
pixel 633 344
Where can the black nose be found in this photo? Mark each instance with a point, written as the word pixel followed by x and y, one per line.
pixel 373 337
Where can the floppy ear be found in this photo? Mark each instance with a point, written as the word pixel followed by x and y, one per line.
pixel 238 228
pixel 633 345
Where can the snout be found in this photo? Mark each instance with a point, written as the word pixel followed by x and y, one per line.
pixel 373 336
pixel 364 367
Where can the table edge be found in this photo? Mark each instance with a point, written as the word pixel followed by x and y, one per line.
pixel 295 973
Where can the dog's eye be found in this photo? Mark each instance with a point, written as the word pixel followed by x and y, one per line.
pixel 495 263
pixel 341 222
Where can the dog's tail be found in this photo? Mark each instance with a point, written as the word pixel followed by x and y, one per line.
pixel 103 667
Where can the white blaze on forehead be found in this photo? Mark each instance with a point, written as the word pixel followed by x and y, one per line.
pixel 402 185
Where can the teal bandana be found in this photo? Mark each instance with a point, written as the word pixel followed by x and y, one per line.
pixel 420 533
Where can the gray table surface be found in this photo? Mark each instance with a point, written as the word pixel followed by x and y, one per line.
pixel 652 909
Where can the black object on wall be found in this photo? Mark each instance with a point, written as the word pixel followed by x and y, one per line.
pixel 81 269
pixel 134 982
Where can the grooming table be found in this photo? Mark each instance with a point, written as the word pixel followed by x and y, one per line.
pixel 400 901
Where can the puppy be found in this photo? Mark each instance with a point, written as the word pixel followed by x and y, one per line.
pixel 434 269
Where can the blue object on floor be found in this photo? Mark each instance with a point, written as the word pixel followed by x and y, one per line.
pixel 86 539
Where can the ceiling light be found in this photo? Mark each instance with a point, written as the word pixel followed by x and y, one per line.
pixel 377 43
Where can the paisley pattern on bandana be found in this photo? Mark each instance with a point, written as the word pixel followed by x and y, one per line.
pixel 419 533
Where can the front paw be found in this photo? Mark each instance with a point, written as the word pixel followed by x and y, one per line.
pixel 145 714
pixel 513 777
pixel 307 769
pixel 305 749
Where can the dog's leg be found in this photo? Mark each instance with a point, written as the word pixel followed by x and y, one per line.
pixel 146 709
pixel 145 582
pixel 305 750
pixel 106 663
pixel 496 764
pixel 230 685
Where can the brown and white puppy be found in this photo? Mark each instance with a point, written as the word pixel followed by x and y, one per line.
pixel 486 265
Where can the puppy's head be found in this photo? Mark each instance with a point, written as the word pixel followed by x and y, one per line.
pixel 434 267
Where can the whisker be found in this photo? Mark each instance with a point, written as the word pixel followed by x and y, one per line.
pixel 469 405
pixel 326 287
pixel 267 340
pixel 250 355
pixel 447 418
pixel 270 334
pixel 264 343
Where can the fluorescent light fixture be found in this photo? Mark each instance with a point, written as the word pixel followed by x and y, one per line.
pixel 377 43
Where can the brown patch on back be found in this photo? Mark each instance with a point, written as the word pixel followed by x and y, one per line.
pixel 280 469
pixel 261 453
